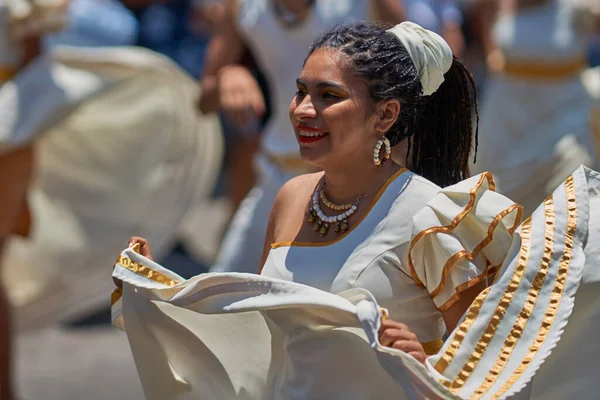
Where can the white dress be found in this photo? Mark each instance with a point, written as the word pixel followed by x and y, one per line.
pixel 374 256
pixel 535 127
pixel 121 151
pixel 269 40
pixel 247 336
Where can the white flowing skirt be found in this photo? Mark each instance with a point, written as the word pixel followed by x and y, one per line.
pixel 242 336
pixel 121 151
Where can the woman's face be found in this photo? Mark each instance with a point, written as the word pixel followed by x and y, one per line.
pixel 333 116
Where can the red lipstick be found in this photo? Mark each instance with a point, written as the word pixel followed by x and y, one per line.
pixel 317 134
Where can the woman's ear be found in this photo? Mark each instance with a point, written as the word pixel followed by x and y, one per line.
pixel 387 112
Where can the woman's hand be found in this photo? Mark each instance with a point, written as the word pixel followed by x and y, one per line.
pixel 144 246
pixel 397 336
pixel 144 249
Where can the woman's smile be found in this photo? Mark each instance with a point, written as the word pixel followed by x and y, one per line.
pixel 309 134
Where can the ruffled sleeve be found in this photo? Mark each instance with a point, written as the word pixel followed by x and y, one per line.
pixel 460 238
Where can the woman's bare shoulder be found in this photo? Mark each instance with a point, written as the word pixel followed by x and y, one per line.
pixel 296 192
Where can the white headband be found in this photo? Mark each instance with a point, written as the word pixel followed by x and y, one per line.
pixel 430 54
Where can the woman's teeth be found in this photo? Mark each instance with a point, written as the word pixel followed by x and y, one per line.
pixel 312 133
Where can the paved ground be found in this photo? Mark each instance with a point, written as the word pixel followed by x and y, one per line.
pixel 90 360
pixel 75 364
pixel 86 360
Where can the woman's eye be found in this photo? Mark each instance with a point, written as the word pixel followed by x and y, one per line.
pixel 330 96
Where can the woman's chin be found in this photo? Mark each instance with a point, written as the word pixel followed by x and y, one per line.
pixel 312 156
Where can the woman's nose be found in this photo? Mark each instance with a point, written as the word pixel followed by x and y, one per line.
pixel 305 109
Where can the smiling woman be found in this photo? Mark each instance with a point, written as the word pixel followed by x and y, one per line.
pixel 361 92
pixel 420 237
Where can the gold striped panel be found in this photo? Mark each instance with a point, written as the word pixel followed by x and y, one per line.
pixel 532 297
pixel 473 312
pixel 557 291
pixel 503 305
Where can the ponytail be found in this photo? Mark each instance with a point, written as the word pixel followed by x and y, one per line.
pixel 439 127
pixel 442 139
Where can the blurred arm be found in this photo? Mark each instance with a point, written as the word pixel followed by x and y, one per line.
pixel 483 19
pixel 452 27
pixel 391 11
pixel 225 47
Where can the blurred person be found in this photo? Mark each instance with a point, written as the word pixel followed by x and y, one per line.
pixel 96 23
pixel 278 33
pixel 440 16
pixel 535 126
pixel 22 23
pixel 366 233
pixel 170 28
pixel 116 131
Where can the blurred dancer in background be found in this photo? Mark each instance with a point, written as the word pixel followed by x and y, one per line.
pixel 441 16
pixel 535 126
pixel 116 133
pixel 22 23
pixel 278 33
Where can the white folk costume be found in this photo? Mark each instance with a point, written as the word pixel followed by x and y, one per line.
pixel 279 51
pixel 245 336
pixel 535 126
pixel 20 20
pixel 121 150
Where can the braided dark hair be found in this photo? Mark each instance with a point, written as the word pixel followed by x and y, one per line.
pixel 439 127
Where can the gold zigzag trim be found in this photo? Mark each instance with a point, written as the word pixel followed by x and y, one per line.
pixel 450 227
pixel 456 257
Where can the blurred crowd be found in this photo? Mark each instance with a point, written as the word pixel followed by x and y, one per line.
pixel 114 96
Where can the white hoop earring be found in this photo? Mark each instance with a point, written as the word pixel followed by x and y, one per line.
pixel 385 143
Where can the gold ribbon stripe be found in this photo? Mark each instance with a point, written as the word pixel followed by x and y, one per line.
pixel 532 297
pixel 557 292
pixel 146 272
pixel 461 332
pixel 503 305
pixel 475 308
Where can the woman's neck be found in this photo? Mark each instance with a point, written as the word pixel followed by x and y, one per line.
pixel 345 185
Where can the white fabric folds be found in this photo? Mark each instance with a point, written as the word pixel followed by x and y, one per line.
pixel 120 148
pixel 429 52
pixel 228 336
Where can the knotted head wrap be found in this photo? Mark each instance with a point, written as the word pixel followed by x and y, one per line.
pixel 430 54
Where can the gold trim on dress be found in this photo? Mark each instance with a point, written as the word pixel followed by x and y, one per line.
pixel 145 271
pixel 547 71
pixel 504 302
pixel 557 291
pixel 456 257
pixel 450 227
pixel 460 333
pixel 362 217
pixel 432 347
pixel 489 270
pixel 116 296
pixel 532 297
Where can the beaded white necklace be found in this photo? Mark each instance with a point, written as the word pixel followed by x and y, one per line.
pixel 323 222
